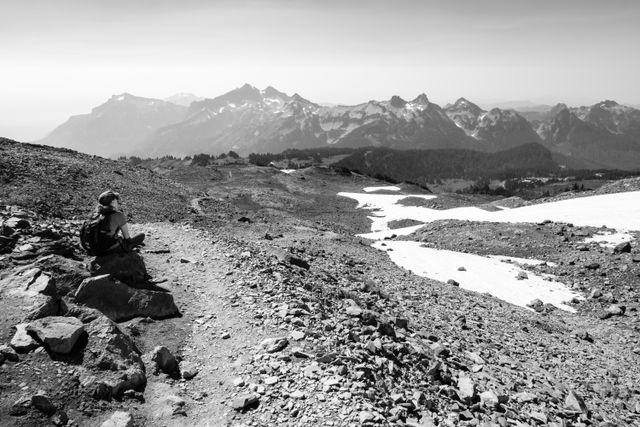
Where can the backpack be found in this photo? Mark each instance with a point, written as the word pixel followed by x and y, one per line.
pixel 94 235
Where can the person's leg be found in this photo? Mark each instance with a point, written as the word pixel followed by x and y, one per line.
pixel 137 240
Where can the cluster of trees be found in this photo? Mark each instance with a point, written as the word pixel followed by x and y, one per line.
pixel 303 157
pixel 207 159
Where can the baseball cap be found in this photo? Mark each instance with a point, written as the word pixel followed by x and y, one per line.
pixel 107 197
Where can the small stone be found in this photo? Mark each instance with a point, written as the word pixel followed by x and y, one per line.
pixel 311 370
pixel 462 269
pixel 225 336
pixel 271 380
pixel 522 275
pixel 164 360
pixel 188 370
pixel 574 402
pixel 489 399
pixel 245 401
pixel 613 310
pixel 539 417
pixel 366 416
pixel 42 403
pixel 624 247
pixel 298 395
pixel 452 282
pixel 60 418
pixel 272 345
pixel 238 382
pixel 119 419
pixel 297 335
pixel 466 390
pixel 354 311
pixel 8 353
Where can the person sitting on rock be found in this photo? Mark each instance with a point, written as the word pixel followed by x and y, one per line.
pixel 116 231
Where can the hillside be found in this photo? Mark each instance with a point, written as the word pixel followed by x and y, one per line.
pixel 287 317
pixel 64 183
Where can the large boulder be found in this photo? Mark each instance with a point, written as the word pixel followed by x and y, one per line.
pixel 120 302
pixel 59 334
pixel 112 363
pixel 126 267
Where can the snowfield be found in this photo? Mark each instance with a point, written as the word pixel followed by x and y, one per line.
pixel 481 274
pixel 495 275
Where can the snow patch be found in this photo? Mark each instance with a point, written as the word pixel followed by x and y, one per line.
pixel 610 240
pixel 582 211
pixel 387 187
pixel 481 274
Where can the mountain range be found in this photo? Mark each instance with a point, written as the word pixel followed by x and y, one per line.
pixel 247 119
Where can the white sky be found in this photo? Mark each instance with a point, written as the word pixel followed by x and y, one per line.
pixel 64 57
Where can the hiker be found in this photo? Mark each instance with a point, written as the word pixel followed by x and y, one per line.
pixel 107 231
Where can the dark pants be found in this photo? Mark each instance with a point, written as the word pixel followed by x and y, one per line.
pixel 127 245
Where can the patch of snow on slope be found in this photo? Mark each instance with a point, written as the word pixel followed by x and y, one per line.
pixel 610 240
pixel 387 187
pixel 482 274
pixel 619 211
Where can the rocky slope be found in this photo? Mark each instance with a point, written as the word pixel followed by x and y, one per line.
pixel 64 183
pixel 112 128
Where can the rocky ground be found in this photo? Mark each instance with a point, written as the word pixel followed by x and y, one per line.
pixel 271 312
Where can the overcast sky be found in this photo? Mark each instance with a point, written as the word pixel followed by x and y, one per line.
pixel 63 57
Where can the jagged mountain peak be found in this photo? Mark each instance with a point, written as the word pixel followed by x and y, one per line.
pixel 271 92
pixel 606 104
pixel 397 102
pixel 421 99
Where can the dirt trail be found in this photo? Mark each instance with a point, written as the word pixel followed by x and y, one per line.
pixel 215 334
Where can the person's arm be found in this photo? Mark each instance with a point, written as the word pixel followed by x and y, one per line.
pixel 125 231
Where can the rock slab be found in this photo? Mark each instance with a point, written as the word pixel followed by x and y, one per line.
pixel 119 419
pixel 59 334
pixel 120 302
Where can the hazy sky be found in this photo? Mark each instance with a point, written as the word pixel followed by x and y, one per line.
pixel 63 57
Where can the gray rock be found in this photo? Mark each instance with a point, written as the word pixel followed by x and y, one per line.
pixel 188 371
pixel 120 302
pixel 466 390
pixel 8 353
pixel 164 360
pixel 489 399
pixel 574 402
pixel 272 345
pixel 59 334
pixel 119 419
pixel 60 418
pixel 17 223
pixel 245 401
pixel 113 358
pixel 22 342
pixel 126 267
pixel 624 247
pixel 613 310
pixel 453 282
pixel 42 403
